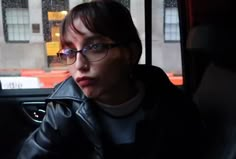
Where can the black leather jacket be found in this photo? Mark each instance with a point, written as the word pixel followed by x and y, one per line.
pixel 172 127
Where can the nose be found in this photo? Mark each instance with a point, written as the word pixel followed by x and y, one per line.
pixel 81 62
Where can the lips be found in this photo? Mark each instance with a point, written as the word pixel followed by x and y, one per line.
pixel 85 81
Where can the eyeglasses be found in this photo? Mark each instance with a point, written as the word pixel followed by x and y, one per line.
pixel 92 52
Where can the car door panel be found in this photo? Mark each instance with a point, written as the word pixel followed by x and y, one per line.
pixel 20 114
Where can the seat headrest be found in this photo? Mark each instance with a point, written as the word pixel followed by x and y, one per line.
pixel 217 41
pixel 211 37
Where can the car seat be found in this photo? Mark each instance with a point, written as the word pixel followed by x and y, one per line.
pixel 210 48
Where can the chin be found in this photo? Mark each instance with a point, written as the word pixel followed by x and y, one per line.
pixel 90 94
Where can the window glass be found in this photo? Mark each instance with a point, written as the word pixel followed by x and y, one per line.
pixel 29 40
pixel 16 21
pixel 171 26
pixel 166 51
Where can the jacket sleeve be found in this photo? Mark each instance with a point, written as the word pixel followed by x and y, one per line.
pixel 45 142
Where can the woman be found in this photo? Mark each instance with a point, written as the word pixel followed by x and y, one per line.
pixel 111 107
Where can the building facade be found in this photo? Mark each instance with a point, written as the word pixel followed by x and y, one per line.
pixel 29 33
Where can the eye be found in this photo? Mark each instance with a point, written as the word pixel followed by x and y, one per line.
pixel 69 52
pixel 97 47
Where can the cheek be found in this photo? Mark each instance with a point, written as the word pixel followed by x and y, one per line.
pixel 112 70
pixel 72 70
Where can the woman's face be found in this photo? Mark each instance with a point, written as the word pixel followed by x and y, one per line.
pixel 105 80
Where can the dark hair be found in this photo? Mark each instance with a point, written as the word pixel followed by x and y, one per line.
pixel 108 18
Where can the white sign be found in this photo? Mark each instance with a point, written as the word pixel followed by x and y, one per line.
pixel 19 82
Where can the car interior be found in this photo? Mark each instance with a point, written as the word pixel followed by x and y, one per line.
pixel 211 71
pixel 207 40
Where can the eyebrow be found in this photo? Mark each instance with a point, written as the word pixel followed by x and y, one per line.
pixel 90 39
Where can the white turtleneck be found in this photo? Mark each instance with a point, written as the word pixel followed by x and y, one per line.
pixel 120 121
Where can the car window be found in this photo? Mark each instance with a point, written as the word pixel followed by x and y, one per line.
pixel 29 40
pixel 166 51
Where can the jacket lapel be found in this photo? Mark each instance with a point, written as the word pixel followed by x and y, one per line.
pixel 85 116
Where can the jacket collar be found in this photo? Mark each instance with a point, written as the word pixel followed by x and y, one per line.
pixel 67 90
